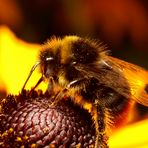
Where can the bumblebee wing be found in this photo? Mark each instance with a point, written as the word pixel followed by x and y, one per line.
pixel 111 78
pixel 127 79
pixel 137 78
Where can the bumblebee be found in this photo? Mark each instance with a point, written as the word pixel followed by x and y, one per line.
pixel 82 70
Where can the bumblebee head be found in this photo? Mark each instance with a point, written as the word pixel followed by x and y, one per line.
pixel 60 57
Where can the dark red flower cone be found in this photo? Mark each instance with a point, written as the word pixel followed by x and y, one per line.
pixel 28 120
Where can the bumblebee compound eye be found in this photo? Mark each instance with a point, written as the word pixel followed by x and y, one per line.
pixel 50 62
pixel 28 120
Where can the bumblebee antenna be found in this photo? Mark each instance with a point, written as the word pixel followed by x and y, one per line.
pixel 39 81
pixel 31 71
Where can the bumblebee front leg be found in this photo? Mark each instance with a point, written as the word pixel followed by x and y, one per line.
pixel 101 126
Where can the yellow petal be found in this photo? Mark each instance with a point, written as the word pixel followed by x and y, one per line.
pixel 16 59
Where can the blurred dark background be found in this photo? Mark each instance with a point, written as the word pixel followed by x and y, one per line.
pixel 122 25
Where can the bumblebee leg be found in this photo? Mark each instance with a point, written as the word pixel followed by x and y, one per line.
pixel 101 118
pixel 61 94
pixel 37 84
pixel 100 124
